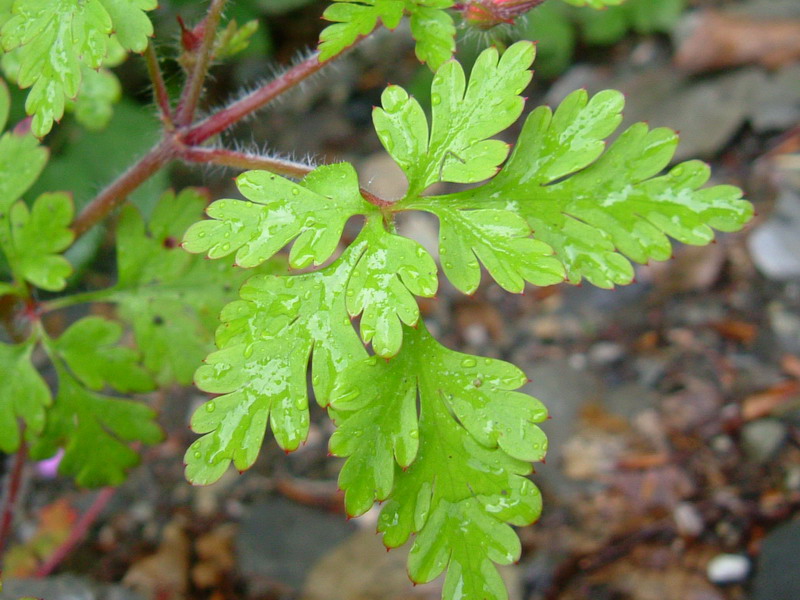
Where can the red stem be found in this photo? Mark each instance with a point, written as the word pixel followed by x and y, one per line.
pixel 116 193
pixel 159 87
pixel 194 84
pixel 77 533
pixel 253 101
pixel 13 488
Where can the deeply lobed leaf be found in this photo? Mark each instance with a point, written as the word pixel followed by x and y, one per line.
pixel 463 117
pixel 95 430
pixel 464 481
pixel 354 19
pixel 171 298
pixel 597 209
pixel 54 39
pixel 32 240
pixel 265 343
pixel 313 211
pixel 23 396
pixel 382 286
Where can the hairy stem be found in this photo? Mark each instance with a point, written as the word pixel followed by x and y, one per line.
pixel 194 84
pixel 253 101
pixel 12 490
pixel 77 533
pixel 159 87
pixel 246 160
pixel 116 193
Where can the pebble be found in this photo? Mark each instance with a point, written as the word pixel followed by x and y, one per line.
pixel 688 520
pixel 762 439
pixel 726 569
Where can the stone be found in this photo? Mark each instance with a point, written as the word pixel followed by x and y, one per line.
pixel 777 575
pixel 726 569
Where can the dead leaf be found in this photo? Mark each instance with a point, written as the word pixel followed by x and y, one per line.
pixel 55 523
pixel 216 553
pixel 718 40
pixel 165 574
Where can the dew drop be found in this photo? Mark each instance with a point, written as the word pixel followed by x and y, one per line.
pixel 469 362
pixel 211 407
pixel 197 455
pixel 295 191
pixel 436 99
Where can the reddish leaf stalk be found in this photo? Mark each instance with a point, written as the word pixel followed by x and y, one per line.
pixel 159 87
pixel 12 490
pixel 245 160
pixel 194 84
pixel 77 533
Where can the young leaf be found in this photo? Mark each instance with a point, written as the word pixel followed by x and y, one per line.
pixel 32 238
pixel 21 158
pixel 261 367
pixel 313 211
pixel 94 429
pixel 463 118
pixel 384 281
pixel 24 395
pixel 596 210
pixel 55 37
pixel 171 298
pixel 466 481
pixel 434 31
pixel 353 19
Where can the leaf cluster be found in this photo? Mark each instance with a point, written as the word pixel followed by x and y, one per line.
pixel 444 438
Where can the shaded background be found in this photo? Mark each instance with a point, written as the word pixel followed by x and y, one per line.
pixel 674 463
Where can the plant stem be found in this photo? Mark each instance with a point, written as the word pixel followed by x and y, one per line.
pixel 73 299
pixel 77 533
pixel 116 192
pixel 159 87
pixel 194 85
pixel 253 101
pixel 13 487
pixel 245 161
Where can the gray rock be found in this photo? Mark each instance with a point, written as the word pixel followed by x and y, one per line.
pixel 280 540
pixel 762 439
pixel 65 587
pixel 777 573
pixel 775 245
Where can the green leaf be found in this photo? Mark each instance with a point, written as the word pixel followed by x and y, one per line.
pixel 594 3
pixel 502 241
pixel 89 348
pixel 55 38
pixel 313 211
pixel 234 39
pixel 435 34
pixel 171 298
pixel 95 430
pixel 594 210
pixel 23 396
pixel 378 426
pixel 261 368
pixel 353 19
pixel 99 91
pixel 33 238
pixel 463 118
pixel 384 281
pixel 21 159
pixel 466 481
